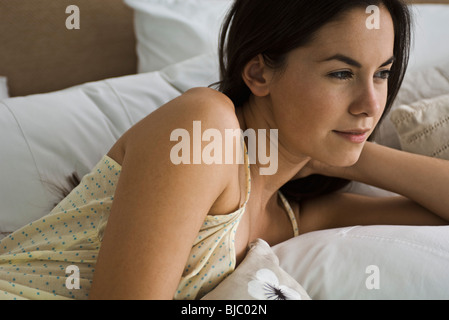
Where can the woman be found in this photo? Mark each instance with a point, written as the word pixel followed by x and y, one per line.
pixel 314 71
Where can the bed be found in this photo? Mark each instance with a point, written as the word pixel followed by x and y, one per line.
pixel 75 75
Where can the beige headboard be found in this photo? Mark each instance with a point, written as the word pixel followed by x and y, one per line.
pixel 39 54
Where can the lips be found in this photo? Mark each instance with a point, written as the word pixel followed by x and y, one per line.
pixel 353 135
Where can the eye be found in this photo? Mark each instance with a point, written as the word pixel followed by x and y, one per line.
pixel 342 75
pixel 384 74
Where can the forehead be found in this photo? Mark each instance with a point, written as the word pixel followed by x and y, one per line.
pixel 349 34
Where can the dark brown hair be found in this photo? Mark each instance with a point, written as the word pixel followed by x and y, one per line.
pixel 273 28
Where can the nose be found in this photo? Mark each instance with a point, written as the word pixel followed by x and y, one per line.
pixel 368 101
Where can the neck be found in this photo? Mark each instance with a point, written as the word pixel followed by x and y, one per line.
pixel 267 178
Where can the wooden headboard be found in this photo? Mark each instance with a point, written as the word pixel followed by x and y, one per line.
pixel 39 54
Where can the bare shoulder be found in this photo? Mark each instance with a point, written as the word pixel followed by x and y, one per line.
pixel 171 140
pixel 212 108
pixel 205 95
pixel 192 113
pixel 205 104
pixel 209 106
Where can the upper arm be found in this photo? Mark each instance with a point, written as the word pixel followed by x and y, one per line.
pixel 344 209
pixel 158 206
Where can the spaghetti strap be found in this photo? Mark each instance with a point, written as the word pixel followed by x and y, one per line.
pixel 290 214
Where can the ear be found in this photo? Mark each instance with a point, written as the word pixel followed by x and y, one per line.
pixel 257 76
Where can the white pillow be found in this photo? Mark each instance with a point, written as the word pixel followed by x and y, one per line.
pixel 370 262
pixel 170 31
pixel 200 71
pixel 50 141
pixel 430 46
pixel 3 88
pixel 423 126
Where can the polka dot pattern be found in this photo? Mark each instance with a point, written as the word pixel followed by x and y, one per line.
pixel 34 259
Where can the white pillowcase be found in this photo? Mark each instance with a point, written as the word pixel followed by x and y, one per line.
pixel 3 88
pixel 170 31
pixel 430 45
pixel 423 126
pixel 199 71
pixel 49 141
pixel 370 262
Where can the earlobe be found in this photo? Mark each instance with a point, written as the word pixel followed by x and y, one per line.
pixel 256 76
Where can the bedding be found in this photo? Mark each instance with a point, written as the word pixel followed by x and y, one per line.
pixel 370 262
pixel 170 31
pixel 430 43
pixel 418 84
pixel 259 277
pixel 423 126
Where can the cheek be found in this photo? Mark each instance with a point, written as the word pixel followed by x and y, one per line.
pixel 382 102
pixel 301 96
pixel 305 124
pixel 304 105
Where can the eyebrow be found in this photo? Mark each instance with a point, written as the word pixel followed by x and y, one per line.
pixel 354 63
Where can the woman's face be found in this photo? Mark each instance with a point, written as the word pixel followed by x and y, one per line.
pixel 333 91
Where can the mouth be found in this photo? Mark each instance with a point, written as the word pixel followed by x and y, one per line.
pixel 354 135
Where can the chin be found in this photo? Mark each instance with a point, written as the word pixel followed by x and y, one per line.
pixel 346 159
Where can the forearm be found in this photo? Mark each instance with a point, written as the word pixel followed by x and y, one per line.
pixel 422 179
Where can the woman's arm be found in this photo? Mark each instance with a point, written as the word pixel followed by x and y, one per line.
pixel 423 183
pixel 421 179
pixel 159 207
pixel 338 210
